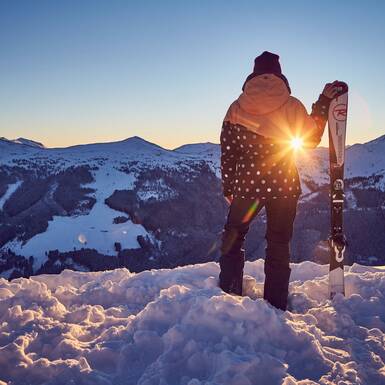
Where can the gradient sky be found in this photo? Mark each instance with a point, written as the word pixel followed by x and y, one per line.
pixel 89 71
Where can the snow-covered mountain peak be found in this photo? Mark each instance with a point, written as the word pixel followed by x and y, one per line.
pixel 129 146
pixel 4 141
pixel 23 141
pixel 362 160
pixel 29 142
pixel 136 142
pixel 198 148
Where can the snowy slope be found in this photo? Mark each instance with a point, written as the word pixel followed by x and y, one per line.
pixel 11 189
pixel 177 327
pixel 366 159
pixel 116 166
pixel 362 160
pixel 313 167
pixel 95 230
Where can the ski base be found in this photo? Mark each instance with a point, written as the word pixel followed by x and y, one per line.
pixel 336 282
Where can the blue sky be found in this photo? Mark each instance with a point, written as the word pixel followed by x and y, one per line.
pixel 88 71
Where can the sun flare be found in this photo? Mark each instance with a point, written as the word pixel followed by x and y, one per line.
pixel 296 143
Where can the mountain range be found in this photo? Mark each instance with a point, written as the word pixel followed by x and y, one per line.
pixel 135 204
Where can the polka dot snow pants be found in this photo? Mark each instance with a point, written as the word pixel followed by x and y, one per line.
pixel 280 215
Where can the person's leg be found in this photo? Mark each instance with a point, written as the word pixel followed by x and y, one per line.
pixel 280 215
pixel 232 259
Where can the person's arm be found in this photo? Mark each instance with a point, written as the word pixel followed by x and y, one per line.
pixel 319 114
pixel 311 127
pixel 229 155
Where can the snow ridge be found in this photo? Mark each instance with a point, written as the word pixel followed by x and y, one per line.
pixel 177 327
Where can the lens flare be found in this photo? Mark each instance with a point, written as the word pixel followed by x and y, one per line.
pixel 82 239
pixel 250 211
pixel 296 143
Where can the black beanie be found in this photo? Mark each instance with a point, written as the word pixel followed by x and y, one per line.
pixel 267 63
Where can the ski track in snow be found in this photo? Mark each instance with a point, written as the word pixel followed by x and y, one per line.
pixel 177 327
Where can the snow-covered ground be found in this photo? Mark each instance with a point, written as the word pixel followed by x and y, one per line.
pixel 177 327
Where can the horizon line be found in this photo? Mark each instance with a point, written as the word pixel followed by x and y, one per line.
pixel 142 138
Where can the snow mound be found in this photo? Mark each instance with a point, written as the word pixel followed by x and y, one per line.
pixel 175 326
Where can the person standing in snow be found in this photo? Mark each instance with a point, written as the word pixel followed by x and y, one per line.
pixel 258 170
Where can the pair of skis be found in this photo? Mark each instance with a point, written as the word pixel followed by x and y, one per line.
pixel 337 138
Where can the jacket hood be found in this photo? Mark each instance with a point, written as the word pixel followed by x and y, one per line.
pixel 263 94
